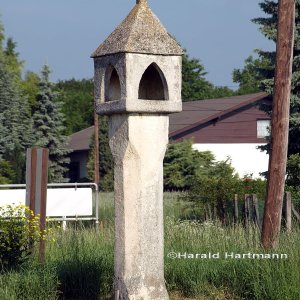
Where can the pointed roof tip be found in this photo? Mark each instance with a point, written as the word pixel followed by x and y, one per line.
pixel 141 2
pixel 140 32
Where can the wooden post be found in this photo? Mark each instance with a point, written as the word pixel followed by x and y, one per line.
pixel 247 210
pixel 288 211
pixel 280 124
pixel 96 148
pixel 297 216
pixel 236 209
pixel 36 189
pixel 255 210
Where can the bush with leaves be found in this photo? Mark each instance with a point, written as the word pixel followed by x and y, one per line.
pixel 182 163
pixel 19 231
pixel 7 174
pixel 250 185
pixel 213 188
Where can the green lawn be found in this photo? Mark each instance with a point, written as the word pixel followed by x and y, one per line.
pixel 79 263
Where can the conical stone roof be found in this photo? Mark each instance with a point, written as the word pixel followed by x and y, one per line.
pixel 140 32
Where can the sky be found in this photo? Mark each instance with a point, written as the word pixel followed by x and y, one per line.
pixel 64 33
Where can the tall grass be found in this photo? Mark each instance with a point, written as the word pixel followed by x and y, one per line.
pixel 241 278
pixel 79 263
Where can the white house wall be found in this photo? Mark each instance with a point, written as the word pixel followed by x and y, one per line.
pixel 245 158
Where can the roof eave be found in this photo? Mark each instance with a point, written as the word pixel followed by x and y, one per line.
pixel 218 115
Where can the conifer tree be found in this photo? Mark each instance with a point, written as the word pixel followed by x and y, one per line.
pixel 15 114
pixel 268 26
pixel 48 128
pixel 260 73
pixel 15 117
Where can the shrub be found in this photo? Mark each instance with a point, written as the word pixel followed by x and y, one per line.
pixel 19 230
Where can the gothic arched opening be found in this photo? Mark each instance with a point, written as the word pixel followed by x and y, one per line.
pixel 113 86
pixel 153 85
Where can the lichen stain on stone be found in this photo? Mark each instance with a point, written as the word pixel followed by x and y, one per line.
pixel 140 32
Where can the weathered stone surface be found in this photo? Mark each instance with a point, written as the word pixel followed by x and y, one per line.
pixel 140 32
pixel 138 83
pixel 130 68
pixel 138 144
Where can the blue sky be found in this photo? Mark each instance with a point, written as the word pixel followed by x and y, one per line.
pixel 63 33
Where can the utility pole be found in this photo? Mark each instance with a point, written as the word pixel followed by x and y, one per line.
pixel 280 124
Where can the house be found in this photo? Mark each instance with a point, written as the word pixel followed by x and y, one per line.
pixel 229 127
pixel 79 144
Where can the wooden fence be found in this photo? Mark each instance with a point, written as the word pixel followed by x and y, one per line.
pixel 254 215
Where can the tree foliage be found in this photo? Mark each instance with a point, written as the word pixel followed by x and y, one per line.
pixel 78 103
pixel 15 116
pixel 250 77
pixel 106 172
pixel 182 163
pixel 259 73
pixel 49 128
pixel 7 175
pixel 194 84
pixel 215 188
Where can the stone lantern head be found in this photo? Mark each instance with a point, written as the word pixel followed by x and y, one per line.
pixel 138 67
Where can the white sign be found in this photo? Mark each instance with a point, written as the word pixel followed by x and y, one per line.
pixel 61 202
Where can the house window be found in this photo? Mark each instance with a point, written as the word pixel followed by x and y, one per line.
pixel 263 128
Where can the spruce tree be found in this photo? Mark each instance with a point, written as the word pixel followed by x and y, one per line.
pixel 49 128
pixel 15 114
pixel 260 73
pixel 268 26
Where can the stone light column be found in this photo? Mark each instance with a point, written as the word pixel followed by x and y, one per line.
pixel 138 83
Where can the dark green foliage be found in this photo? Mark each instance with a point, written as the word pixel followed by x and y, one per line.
pixel 15 120
pixel 17 159
pixel 194 84
pixel 260 73
pixel 17 127
pixel 7 174
pixel 49 128
pixel 182 163
pixel 30 87
pixel 214 188
pixel 293 170
pixel 249 185
pixel 106 166
pixel 14 64
pixel 78 103
pixel 249 78
pixel 14 114
pixel 17 234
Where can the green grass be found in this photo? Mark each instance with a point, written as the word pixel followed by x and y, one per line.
pixel 79 264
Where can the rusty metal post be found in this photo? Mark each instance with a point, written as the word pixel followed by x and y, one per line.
pixel 280 124
pixel 36 189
